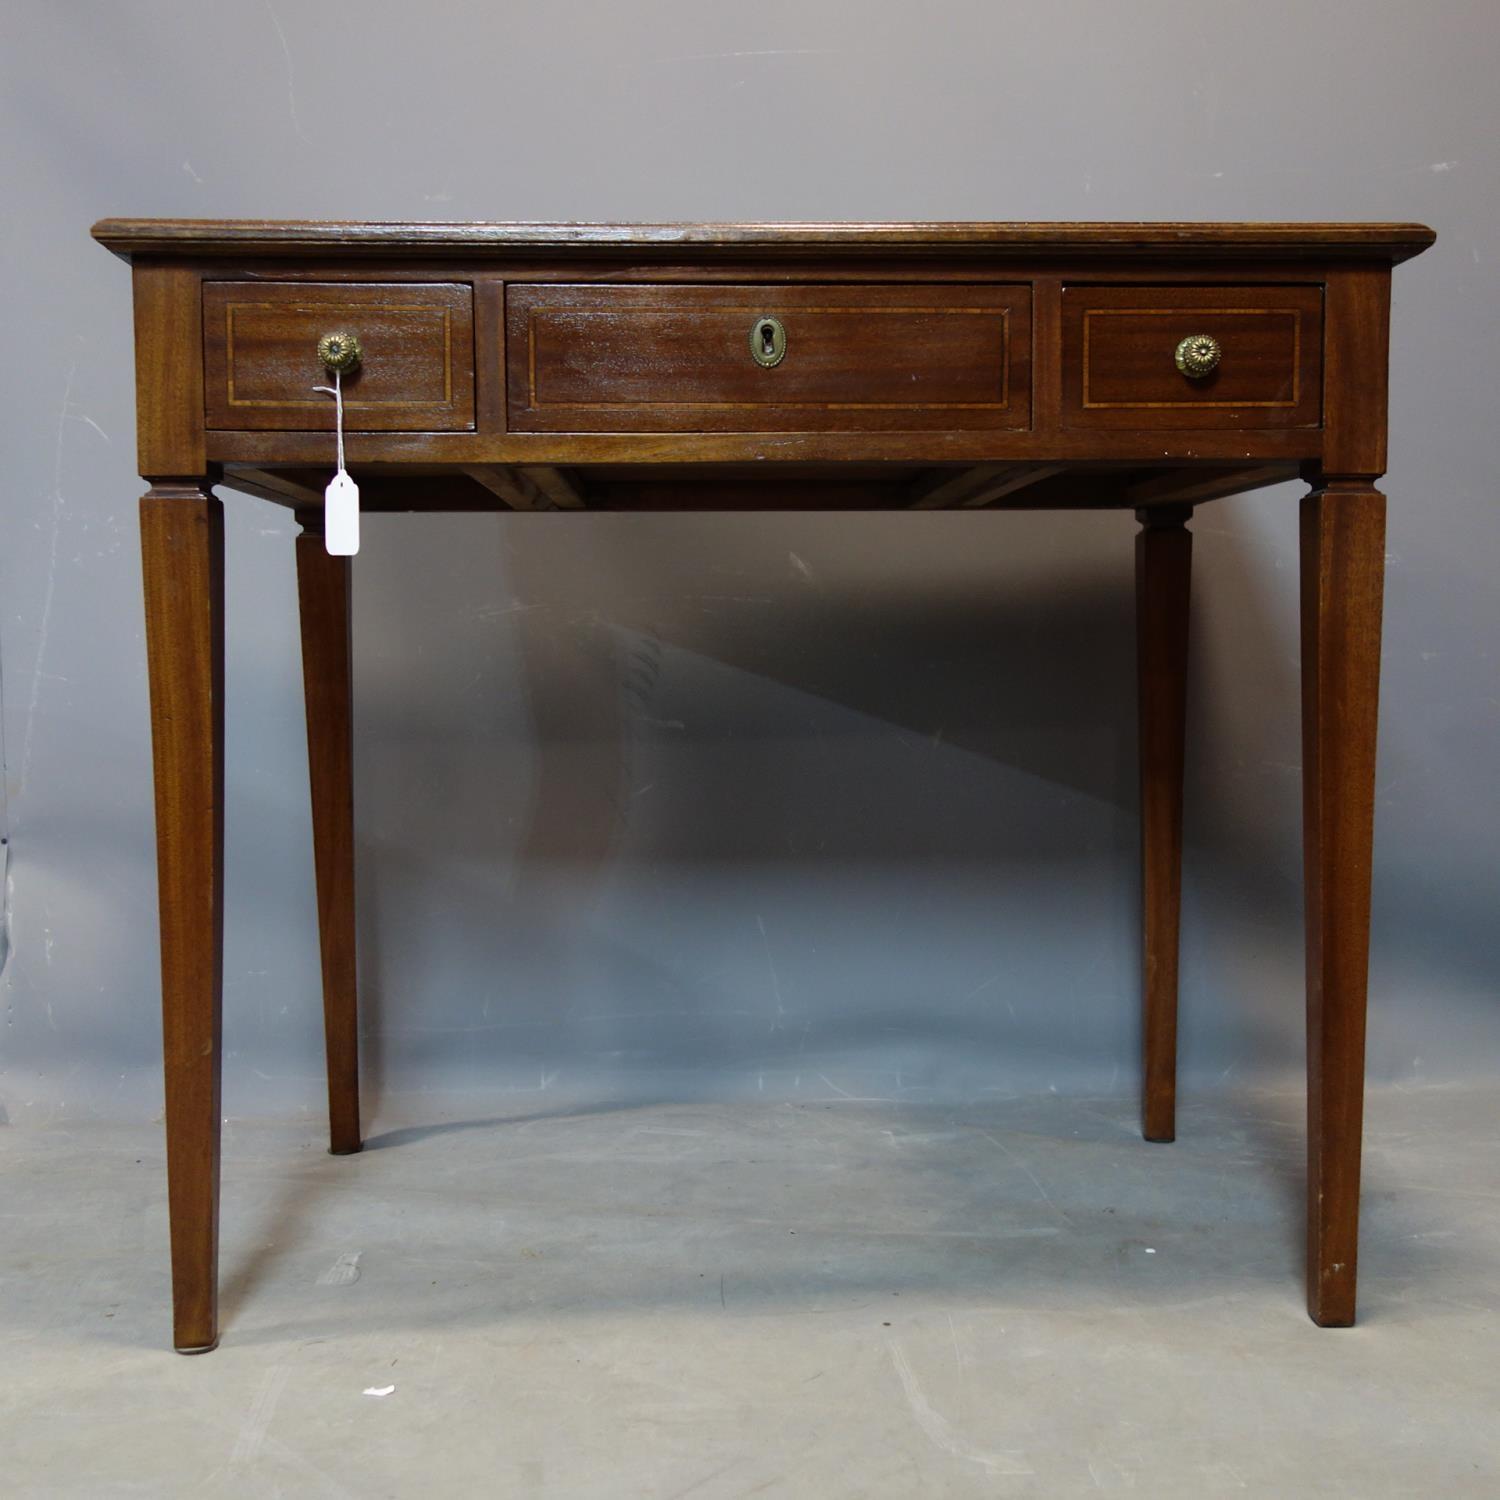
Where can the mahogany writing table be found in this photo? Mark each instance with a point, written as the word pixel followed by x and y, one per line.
pixel 1155 367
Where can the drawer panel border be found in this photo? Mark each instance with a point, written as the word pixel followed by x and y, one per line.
pixel 350 403
pixel 1173 312
pixel 1167 401
pixel 1003 300
pixel 447 319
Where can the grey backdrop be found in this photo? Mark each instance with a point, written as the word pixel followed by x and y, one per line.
pixel 811 806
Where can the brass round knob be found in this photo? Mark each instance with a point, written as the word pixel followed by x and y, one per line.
pixel 1198 355
pixel 339 351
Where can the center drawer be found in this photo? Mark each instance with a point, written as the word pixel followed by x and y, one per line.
pixel 585 358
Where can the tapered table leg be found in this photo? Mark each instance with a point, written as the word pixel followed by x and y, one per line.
pixel 1163 563
pixel 1343 566
pixel 182 551
pixel 323 594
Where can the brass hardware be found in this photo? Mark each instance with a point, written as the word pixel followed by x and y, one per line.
pixel 767 341
pixel 339 351
pixel 1198 355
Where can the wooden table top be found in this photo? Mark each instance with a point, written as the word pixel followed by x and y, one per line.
pixel 257 237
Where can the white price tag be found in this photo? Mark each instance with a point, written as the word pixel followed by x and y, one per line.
pixel 341 516
pixel 341 498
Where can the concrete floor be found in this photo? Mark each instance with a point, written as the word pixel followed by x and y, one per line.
pixel 850 1298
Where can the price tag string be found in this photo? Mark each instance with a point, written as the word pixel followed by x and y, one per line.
pixel 336 390
pixel 341 498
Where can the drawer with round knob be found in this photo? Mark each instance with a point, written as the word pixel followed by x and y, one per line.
pixel 803 358
pixel 404 352
pixel 1192 357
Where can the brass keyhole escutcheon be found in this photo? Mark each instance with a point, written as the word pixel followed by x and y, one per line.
pixel 339 351
pixel 1198 355
pixel 767 342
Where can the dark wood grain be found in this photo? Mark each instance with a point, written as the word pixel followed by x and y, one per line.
pixel 1163 568
pixel 1343 567
pixel 1358 303
pixel 664 359
pixel 624 266
pixel 265 237
pixel 170 439
pixel 1301 445
pixel 489 351
pixel 261 365
pixel 1118 347
pixel 323 597
pixel 182 562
